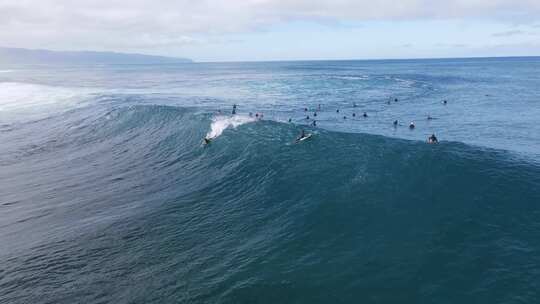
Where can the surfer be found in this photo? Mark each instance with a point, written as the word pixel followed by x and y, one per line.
pixel 429 117
pixel 395 123
pixel 365 114
pixel 396 100
pixel 207 140
pixel 433 139
pixel 302 135
pixel 411 125
pixel 353 114
pixel 234 109
pixel 314 114
pixel 290 119
pixel 314 123
pixel 444 102
pixel 337 111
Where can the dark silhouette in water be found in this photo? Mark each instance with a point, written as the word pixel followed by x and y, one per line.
pixel 395 123
pixel 433 139
pixel 411 125
pixel 234 109
pixel 365 114
pixel 302 135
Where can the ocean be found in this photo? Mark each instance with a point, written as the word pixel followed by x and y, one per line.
pixel 108 194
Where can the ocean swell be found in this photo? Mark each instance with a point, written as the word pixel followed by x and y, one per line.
pixel 130 193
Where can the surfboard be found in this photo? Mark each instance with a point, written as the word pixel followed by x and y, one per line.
pixel 304 138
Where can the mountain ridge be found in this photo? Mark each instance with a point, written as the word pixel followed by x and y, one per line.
pixel 40 56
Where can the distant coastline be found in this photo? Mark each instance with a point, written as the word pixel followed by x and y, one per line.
pixel 35 56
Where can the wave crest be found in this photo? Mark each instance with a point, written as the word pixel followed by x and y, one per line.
pixel 220 123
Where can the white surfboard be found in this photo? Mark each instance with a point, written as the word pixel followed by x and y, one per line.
pixel 304 138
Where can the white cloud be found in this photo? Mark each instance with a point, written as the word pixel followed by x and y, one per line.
pixel 144 24
pixel 509 33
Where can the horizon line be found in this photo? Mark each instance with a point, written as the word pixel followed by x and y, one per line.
pixel 366 59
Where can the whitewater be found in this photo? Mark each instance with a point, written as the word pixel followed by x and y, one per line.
pixel 107 194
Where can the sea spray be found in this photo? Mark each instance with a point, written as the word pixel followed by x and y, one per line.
pixel 220 123
pixel 21 101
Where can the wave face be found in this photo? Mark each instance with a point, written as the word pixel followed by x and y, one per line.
pixel 123 204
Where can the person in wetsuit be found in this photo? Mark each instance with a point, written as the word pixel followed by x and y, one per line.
pixel 433 139
pixel 302 135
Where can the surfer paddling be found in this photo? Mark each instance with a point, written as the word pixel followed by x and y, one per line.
pixel 302 136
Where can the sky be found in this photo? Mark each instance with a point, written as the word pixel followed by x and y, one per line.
pixel 248 30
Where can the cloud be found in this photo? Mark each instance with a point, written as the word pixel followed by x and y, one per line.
pixel 452 45
pixel 509 33
pixel 136 24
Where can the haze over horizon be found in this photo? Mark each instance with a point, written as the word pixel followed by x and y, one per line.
pixel 276 30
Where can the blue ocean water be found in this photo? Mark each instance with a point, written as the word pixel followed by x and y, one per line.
pixel 107 194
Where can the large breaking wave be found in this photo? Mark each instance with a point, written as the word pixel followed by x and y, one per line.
pixel 93 194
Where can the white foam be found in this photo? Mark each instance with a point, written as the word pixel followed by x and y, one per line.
pixel 6 71
pixel 220 123
pixel 25 98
